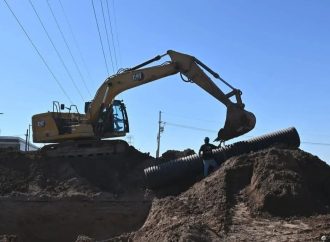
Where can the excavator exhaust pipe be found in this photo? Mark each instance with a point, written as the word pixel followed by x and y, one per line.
pixel 238 122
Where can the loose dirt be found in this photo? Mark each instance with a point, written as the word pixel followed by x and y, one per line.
pixel 56 199
pixel 270 195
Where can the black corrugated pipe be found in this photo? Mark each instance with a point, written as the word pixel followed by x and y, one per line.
pixel 191 166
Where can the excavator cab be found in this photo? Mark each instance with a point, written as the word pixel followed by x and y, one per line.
pixel 112 121
pixel 119 117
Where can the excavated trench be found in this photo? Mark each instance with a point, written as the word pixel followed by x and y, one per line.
pixel 65 220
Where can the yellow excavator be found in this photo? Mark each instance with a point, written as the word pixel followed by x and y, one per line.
pixel 81 134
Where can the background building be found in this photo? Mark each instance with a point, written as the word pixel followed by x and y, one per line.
pixel 16 143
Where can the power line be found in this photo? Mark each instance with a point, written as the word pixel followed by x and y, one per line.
pixel 68 47
pixel 57 52
pixel 315 143
pixel 189 127
pixel 75 41
pixel 191 118
pixel 98 29
pixel 213 131
pixel 107 35
pixel 113 42
pixel 116 30
pixel 38 52
pixel 213 121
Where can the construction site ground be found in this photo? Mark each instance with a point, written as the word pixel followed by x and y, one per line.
pixel 275 194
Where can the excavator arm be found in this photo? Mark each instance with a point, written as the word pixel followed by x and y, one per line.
pixel 124 81
pixel 238 121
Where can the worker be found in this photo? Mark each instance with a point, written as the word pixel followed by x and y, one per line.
pixel 116 121
pixel 205 152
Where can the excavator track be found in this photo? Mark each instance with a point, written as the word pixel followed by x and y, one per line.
pixel 85 148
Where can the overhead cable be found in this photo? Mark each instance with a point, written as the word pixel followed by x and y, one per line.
pixel 315 143
pixel 189 127
pixel 100 38
pixel 38 52
pixel 116 30
pixel 75 41
pixel 68 47
pixel 190 117
pixel 112 38
pixel 57 52
pixel 248 136
pixel 107 35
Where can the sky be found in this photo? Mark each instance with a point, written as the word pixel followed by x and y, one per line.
pixel 277 52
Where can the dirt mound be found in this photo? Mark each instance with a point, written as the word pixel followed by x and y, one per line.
pixel 36 175
pixel 175 154
pixel 286 183
pixel 258 186
pixel 56 199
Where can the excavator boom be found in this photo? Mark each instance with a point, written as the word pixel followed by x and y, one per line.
pixel 238 121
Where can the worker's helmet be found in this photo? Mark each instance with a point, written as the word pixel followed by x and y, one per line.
pixel 207 140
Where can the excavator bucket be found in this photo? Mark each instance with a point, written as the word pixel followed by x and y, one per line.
pixel 238 122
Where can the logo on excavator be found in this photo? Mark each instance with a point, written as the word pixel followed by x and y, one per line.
pixel 41 123
pixel 137 76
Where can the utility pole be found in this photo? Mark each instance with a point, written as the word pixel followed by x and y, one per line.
pixel 160 130
pixel 129 139
pixel 0 129
pixel 29 137
pixel 26 139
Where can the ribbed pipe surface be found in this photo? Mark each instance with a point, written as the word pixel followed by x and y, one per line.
pixel 191 166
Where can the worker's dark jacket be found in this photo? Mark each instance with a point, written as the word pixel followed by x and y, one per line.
pixel 207 151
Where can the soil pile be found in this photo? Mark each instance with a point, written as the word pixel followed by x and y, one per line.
pixel 175 154
pixel 272 194
pixel 56 199
pixel 287 183
pixel 39 176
